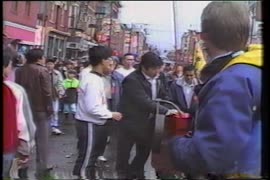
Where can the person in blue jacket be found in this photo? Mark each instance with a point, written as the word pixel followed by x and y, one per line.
pixel 227 137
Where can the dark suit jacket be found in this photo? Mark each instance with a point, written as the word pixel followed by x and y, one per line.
pixel 137 106
pixel 178 97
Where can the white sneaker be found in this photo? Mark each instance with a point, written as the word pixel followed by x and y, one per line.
pixel 102 158
pixel 56 131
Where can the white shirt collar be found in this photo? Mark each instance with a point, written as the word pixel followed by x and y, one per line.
pixel 219 56
pixel 148 77
pixel 181 81
pixel 226 54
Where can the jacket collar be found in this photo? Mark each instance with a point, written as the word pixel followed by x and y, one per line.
pixel 39 64
pixel 97 73
pixel 148 77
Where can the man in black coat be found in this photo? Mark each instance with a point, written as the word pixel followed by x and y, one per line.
pixel 138 106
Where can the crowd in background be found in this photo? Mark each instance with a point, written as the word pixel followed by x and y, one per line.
pixel 120 101
pixel 53 85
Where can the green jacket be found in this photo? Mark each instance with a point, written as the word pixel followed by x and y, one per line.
pixel 71 83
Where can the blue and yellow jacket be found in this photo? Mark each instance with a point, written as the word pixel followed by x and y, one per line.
pixel 227 137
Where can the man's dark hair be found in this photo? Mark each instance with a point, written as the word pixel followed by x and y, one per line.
pixel 151 60
pixel 68 62
pixel 52 60
pixel 188 68
pixel 129 54
pixel 85 64
pixel 9 55
pixel 33 55
pixel 72 72
pixel 99 53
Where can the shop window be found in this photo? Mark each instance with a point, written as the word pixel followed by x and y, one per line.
pixel 27 8
pixel 55 48
pixel 73 16
pixel 23 49
pixel 50 47
pixel 52 12
pixel 63 16
pixel 61 48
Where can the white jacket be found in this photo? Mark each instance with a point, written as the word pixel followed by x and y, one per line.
pixel 92 103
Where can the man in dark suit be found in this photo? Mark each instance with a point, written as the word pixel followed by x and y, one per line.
pixel 182 91
pixel 138 106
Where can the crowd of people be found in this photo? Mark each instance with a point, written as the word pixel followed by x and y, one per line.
pixel 110 97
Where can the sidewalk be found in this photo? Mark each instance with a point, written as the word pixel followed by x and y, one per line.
pixel 63 154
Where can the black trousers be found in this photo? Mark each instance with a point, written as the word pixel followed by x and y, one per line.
pixel 125 142
pixel 91 140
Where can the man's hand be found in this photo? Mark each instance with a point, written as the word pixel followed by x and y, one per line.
pixel 22 160
pixel 189 134
pixel 117 116
pixel 171 112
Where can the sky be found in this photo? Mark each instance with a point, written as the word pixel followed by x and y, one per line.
pixel 158 15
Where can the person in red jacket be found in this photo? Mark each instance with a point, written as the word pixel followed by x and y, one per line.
pixel 11 140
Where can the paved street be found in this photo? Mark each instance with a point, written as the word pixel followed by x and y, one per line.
pixel 63 155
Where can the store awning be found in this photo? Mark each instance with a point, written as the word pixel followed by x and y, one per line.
pixel 17 33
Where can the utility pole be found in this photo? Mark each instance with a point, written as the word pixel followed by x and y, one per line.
pixel 175 29
pixel 44 26
pixel 130 37
pixel 138 42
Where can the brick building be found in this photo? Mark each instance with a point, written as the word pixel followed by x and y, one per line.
pixel 188 43
pixel 134 39
pixel 82 26
pixel 19 20
pixel 53 20
pixel 110 32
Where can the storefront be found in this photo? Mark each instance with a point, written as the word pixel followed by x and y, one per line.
pixel 25 34
pixel 56 44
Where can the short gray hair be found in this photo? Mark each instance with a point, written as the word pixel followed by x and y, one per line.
pixel 226 24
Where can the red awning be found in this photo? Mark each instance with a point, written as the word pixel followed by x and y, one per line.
pixel 16 33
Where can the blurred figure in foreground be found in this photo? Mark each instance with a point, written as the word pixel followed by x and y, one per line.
pixel 227 136
pixel 19 128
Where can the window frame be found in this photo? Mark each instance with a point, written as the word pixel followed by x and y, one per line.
pixel 14 7
pixel 27 11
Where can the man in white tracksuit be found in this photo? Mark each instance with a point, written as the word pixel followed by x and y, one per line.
pixel 92 113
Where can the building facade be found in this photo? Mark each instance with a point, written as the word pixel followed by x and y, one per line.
pixel 19 21
pixel 256 21
pixel 188 43
pixel 82 26
pixel 54 22
pixel 67 29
